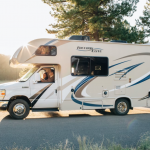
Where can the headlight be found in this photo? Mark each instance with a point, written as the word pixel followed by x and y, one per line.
pixel 2 94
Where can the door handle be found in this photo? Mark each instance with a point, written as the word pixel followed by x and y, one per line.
pixel 55 90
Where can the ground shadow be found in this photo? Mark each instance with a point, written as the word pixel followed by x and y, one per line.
pixel 54 115
pixel 8 117
pixel 79 115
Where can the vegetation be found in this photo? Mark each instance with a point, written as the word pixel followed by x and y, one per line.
pixel 99 19
pixel 85 144
pixel 144 21
pixel 123 31
pixel 6 72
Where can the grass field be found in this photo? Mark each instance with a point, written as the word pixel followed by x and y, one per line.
pixel 86 144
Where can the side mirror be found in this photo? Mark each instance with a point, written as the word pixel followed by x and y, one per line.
pixel 37 77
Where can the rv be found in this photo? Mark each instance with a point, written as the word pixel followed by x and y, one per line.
pixel 78 75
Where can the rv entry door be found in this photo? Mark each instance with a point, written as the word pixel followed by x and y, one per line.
pixel 44 87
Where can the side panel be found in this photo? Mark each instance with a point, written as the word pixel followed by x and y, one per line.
pixel 128 77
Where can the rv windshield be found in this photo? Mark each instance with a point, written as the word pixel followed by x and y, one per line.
pixel 28 74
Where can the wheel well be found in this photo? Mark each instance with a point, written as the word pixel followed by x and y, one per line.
pixel 19 97
pixel 126 98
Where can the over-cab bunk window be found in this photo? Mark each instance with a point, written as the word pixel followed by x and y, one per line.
pixel 89 66
pixel 45 50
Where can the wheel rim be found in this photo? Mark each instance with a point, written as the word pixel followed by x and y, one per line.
pixel 19 109
pixel 122 107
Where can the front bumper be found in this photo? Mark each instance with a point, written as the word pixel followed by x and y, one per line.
pixel 3 105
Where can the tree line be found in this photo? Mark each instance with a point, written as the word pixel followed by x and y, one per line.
pixel 7 73
pixel 102 20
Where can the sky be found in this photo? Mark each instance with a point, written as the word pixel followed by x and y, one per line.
pixel 24 20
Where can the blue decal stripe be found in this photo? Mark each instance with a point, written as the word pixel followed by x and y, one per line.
pixel 128 68
pixel 131 69
pixel 76 101
pixel 125 69
pixel 142 80
pixel 88 104
pixel 82 82
pixel 50 42
pixel 118 63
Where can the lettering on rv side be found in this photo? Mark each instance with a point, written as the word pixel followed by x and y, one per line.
pixel 79 48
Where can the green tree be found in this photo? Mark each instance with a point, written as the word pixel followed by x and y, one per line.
pixel 89 17
pixel 123 31
pixel 144 21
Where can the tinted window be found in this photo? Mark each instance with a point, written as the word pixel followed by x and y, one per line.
pixel 80 66
pixel 46 51
pixel 79 37
pixel 94 66
pixel 75 38
pixel 99 66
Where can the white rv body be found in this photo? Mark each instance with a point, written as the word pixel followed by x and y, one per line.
pixel 128 78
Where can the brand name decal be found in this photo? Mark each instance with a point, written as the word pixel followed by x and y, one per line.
pixel 79 48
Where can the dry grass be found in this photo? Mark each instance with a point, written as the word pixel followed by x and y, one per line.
pixel 86 144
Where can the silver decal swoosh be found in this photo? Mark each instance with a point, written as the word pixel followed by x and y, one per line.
pixel 138 54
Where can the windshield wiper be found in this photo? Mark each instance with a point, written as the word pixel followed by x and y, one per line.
pixel 22 81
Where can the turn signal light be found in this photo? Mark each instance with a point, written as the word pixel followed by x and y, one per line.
pixel 2 94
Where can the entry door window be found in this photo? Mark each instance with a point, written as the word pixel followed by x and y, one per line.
pixel 47 75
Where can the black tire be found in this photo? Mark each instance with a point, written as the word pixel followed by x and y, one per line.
pixel 19 103
pixel 125 104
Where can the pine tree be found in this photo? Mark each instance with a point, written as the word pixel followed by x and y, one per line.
pixel 89 17
pixel 124 31
pixel 144 21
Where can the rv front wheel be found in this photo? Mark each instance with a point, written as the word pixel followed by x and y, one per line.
pixel 19 109
pixel 121 107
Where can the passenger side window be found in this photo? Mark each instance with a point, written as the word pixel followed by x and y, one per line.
pixel 47 75
pixel 92 66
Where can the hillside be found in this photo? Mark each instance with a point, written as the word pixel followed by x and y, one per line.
pixel 6 72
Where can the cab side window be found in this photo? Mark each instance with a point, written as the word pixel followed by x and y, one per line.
pixel 47 75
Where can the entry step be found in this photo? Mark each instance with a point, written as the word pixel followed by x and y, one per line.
pixel 44 109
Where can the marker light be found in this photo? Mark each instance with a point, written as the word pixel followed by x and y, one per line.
pixel 2 94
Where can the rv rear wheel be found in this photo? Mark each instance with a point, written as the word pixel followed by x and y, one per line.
pixel 19 109
pixel 121 107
